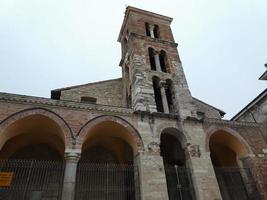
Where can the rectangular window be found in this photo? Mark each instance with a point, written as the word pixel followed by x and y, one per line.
pixel 85 99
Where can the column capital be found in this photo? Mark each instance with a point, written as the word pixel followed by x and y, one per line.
pixel 72 155
pixel 151 26
pixel 155 52
pixel 163 84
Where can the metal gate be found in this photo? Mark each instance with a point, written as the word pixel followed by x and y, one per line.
pixel 107 182
pixel 179 183
pixel 236 183
pixel 31 179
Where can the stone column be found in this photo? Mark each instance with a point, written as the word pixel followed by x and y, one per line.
pixel 157 62
pixel 164 97
pixel 151 30
pixel 72 157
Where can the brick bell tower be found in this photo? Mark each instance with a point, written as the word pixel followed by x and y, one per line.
pixel 153 77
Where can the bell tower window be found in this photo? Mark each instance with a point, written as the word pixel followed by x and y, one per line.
pixel 157 94
pixel 152 30
pixel 152 59
pixel 170 95
pixel 156 31
pixel 147 29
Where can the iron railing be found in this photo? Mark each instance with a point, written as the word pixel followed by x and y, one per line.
pixel 236 183
pixel 31 179
pixel 179 183
pixel 107 182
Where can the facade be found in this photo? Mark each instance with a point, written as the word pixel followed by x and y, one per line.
pixel 142 136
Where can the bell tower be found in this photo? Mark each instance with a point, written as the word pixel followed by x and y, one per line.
pixel 153 77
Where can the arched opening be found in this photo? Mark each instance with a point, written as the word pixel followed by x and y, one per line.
pixel 31 152
pixel 156 31
pixel 170 95
pixel 228 156
pixel 163 62
pixel 147 29
pixel 157 94
pixel 127 86
pixel 106 169
pixel 151 53
pixel 178 176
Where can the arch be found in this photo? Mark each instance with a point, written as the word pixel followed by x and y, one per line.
pixel 170 94
pixel 228 153
pixel 176 133
pixel 156 31
pixel 172 145
pixel 172 148
pixel 133 138
pixel 212 130
pixel 33 126
pixel 147 29
pixel 41 111
pixel 163 61
pixel 151 54
pixel 157 93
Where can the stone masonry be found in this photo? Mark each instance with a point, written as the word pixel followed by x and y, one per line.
pixel 132 103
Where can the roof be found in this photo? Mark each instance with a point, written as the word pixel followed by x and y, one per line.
pixel 86 84
pixel 55 94
pixel 222 113
pixel 250 105
pixel 137 10
pixel 263 76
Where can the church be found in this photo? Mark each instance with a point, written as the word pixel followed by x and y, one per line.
pixel 140 137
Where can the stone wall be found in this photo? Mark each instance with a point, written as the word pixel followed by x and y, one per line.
pixel 256 113
pixel 207 110
pixel 106 92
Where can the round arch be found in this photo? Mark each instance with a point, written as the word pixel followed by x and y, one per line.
pixel 65 128
pixel 234 135
pixel 132 137
pixel 172 145
pixel 32 127
pixel 176 133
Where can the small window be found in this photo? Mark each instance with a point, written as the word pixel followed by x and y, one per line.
pixel 156 31
pixel 147 29
pixel 88 99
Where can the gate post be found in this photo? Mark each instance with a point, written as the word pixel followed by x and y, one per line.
pixel 72 157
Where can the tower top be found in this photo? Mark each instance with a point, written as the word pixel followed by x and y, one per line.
pixel 132 10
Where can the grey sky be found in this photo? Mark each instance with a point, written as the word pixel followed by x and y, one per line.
pixel 51 44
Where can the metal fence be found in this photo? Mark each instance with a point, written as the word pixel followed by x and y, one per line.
pixel 179 183
pixel 31 179
pixel 107 182
pixel 236 184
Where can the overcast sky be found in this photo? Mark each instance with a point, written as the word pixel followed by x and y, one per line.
pixel 48 44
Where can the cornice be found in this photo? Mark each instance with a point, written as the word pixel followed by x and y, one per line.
pixel 230 123
pixel 158 40
pixel 31 100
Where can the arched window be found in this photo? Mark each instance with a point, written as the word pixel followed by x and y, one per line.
pixel 163 62
pixel 157 94
pixel 170 95
pixel 129 98
pixel 172 151
pixel 156 31
pixel 151 53
pixel 127 86
pixel 147 29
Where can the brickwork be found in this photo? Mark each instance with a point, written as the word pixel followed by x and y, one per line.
pixel 141 126
pixel 106 92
